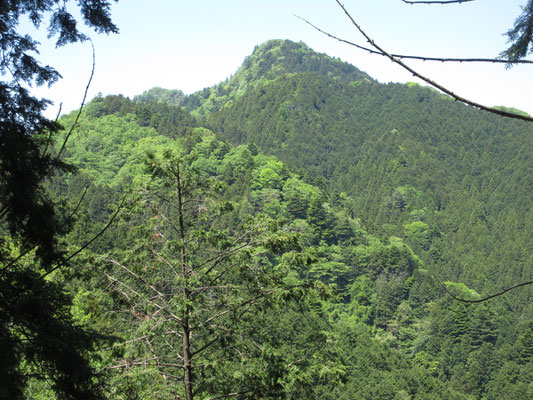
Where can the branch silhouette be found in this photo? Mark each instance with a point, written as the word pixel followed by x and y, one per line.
pixel 421 58
pixel 429 81
pixel 75 124
pixel 483 299
pixel 89 242
pixel 437 2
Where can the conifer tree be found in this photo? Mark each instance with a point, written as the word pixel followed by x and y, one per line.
pixel 195 290
pixel 38 338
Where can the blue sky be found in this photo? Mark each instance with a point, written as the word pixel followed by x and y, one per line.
pixel 192 44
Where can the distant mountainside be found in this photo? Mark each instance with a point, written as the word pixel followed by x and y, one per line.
pixel 405 153
pixel 267 63
pixel 160 95
pixel 390 189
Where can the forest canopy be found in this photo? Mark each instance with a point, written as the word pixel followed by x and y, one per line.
pixel 299 230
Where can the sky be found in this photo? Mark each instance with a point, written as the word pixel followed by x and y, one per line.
pixel 193 44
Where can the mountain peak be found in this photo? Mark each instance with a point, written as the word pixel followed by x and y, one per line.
pixel 277 57
pixel 268 62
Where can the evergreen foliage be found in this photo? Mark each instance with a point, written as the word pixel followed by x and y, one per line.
pixel 40 342
pixel 407 157
pixel 296 239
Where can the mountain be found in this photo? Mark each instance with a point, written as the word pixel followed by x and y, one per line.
pixel 405 153
pixel 390 190
pixel 268 61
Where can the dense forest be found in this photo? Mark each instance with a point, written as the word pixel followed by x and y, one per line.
pixel 297 231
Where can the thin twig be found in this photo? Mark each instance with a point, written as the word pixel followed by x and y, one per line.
pixel 49 139
pixel 67 137
pixel 428 80
pixel 488 297
pixel 411 57
pixel 437 1
pixel 87 244
pixel 13 262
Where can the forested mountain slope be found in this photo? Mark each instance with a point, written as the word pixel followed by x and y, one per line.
pixel 378 283
pixel 267 63
pixel 405 153
pixel 370 194
pixel 390 332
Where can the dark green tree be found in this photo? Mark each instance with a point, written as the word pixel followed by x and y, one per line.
pixel 521 35
pixel 297 205
pixel 39 339
pixel 320 219
pixel 526 344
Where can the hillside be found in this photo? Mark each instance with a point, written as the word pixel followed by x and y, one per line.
pixel 268 61
pixel 364 270
pixel 366 195
pixel 403 152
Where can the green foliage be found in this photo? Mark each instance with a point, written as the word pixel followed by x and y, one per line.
pixel 268 62
pixel 200 294
pixel 40 345
pixel 520 35
pixel 372 203
pixel 420 158
pixel 157 94
pixel 111 149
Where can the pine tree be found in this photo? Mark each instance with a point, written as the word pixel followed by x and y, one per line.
pixel 195 291
pixel 526 344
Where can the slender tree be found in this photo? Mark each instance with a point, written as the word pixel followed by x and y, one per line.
pixel 199 305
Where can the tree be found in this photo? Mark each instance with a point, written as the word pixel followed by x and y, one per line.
pixel 201 302
pixel 320 219
pixel 39 338
pixel 521 35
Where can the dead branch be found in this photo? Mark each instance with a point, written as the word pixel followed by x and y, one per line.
pixel 426 79
pixel 231 309
pixel 488 297
pixel 437 1
pixel 159 307
pixel 88 243
pixel 69 133
pixel 420 58
pixel 158 364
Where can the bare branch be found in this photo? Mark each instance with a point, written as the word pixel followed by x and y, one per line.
pixel 235 247
pixel 421 58
pixel 206 346
pixel 428 80
pixel 49 139
pixel 67 137
pixel 445 288
pixel 168 263
pixel 437 1
pixel 236 307
pixel 158 364
pixel 24 252
pixel 88 243
pixel 158 306
pixel 488 297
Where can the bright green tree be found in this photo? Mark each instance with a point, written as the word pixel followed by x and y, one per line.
pixel 193 292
